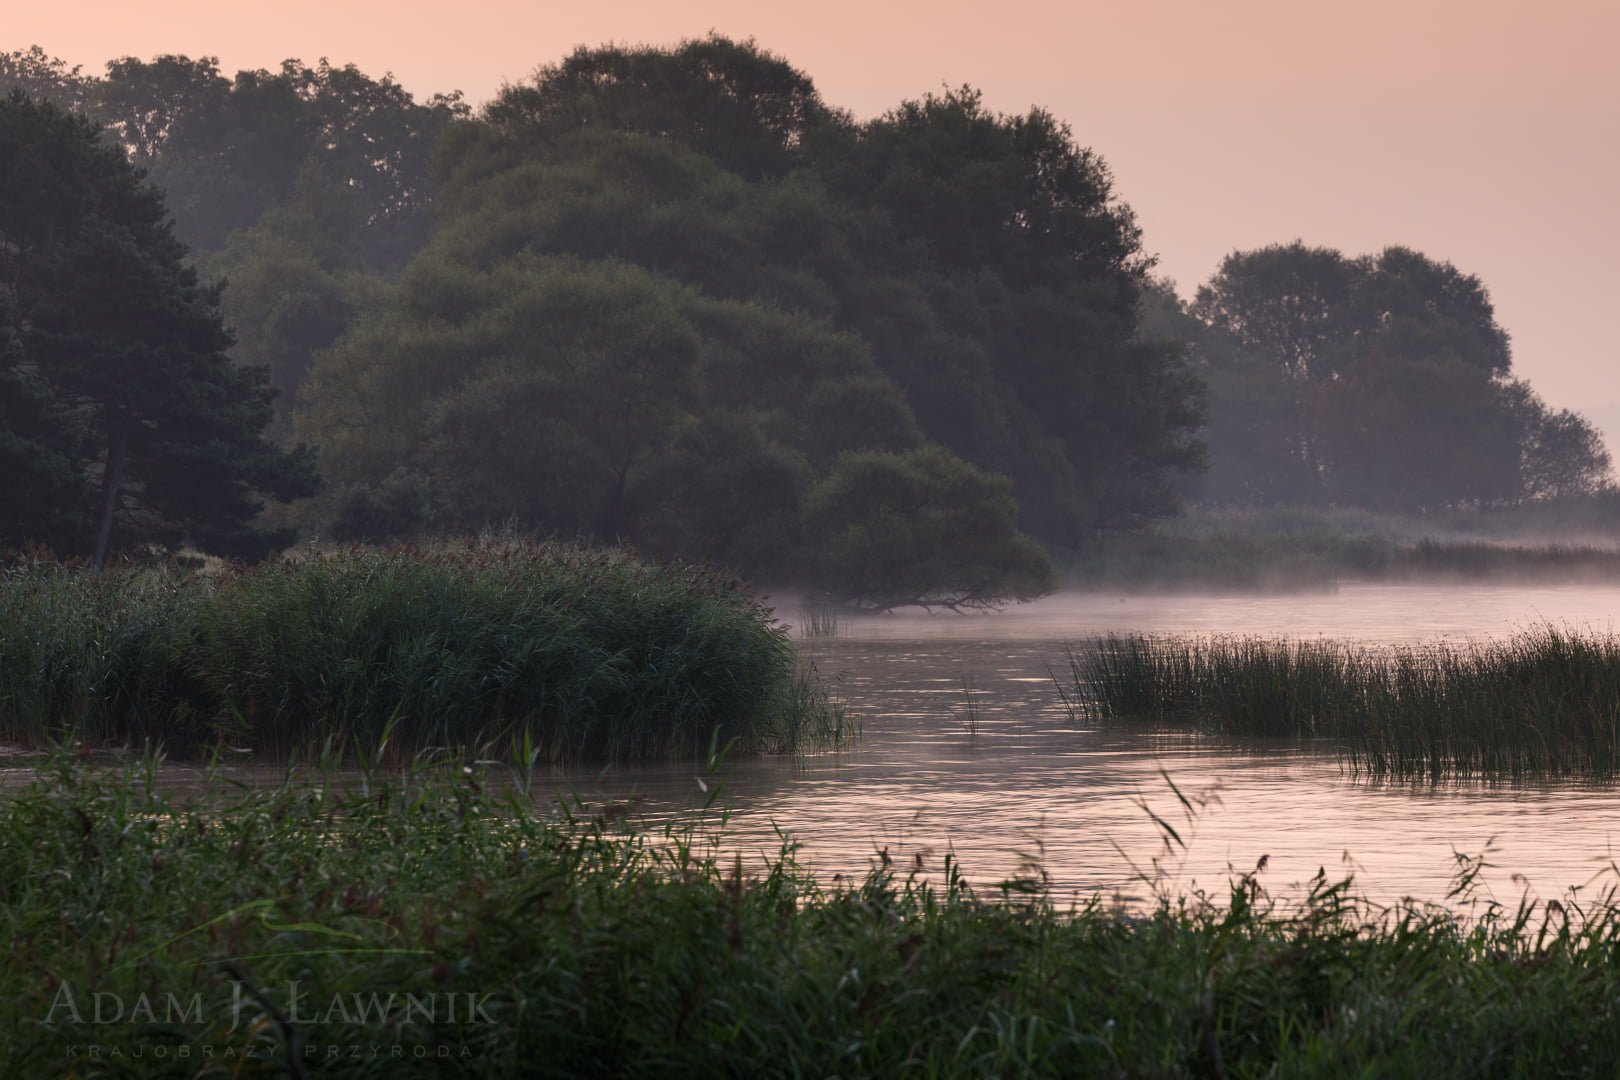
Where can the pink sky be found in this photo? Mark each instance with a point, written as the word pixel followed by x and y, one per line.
pixel 1483 132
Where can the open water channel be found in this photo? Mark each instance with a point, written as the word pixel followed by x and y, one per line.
pixel 967 748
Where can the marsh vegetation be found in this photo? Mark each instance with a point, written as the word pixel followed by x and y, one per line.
pixel 521 649
pixel 1546 701
pixel 291 919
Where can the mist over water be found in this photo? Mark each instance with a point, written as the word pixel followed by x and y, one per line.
pixel 1379 614
pixel 968 748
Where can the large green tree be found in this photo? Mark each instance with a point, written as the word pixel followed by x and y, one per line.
pixel 44 78
pixel 983 259
pixel 227 150
pixel 595 399
pixel 1033 271
pixel 114 363
pixel 1381 381
pixel 670 290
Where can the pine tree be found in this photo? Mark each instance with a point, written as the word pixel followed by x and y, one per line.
pixel 115 375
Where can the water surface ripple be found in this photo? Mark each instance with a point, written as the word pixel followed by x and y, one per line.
pixel 968 747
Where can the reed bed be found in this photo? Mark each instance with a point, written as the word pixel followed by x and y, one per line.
pixel 420 922
pixel 819 619
pixel 552 650
pixel 1546 701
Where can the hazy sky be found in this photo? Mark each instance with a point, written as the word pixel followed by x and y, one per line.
pixel 1484 132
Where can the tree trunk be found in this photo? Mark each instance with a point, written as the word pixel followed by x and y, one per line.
pixel 109 493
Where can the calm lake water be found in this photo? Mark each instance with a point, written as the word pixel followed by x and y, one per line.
pixel 967 748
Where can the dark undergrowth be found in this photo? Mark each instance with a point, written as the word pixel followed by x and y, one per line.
pixel 432 922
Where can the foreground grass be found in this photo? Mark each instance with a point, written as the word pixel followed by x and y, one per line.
pixel 289 931
pixel 1546 701
pixel 546 650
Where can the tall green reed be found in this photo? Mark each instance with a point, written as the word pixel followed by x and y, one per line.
pixel 1546 701
pixel 819 619
pixel 588 654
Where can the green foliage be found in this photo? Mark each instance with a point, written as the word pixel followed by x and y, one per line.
pixel 732 101
pixel 1379 382
pixel 227 151
pixel 713 261
pixel 284 304
pixel 396 509
pixel 582 655
pixel 941 275
pixel 596 399
pixel 726 489
pixel 291 183
pixel 43 497
pixel 113 359
pixel 44 78
pixel 591 950
pixel 1544 702
pixel 922 527
pixel 1017 348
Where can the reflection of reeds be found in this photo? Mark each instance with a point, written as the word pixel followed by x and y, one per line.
pixel 1069 696
pixel 1545 701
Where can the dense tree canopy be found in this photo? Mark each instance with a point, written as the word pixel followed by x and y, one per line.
pixel 648 260
pixel 295 184
pixel 1381 381
pixel 594 398
pixel 115 389
pixel 981 259
pixel 672 296
pixel 729 101
pixel 226 150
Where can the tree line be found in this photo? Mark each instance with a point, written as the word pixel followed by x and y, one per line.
pixel 672 296
pixel 1380 381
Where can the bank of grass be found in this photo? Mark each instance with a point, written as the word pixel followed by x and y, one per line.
pixel 1546 701
pixel 414 924
pixel 1295 548
pixel 560 651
